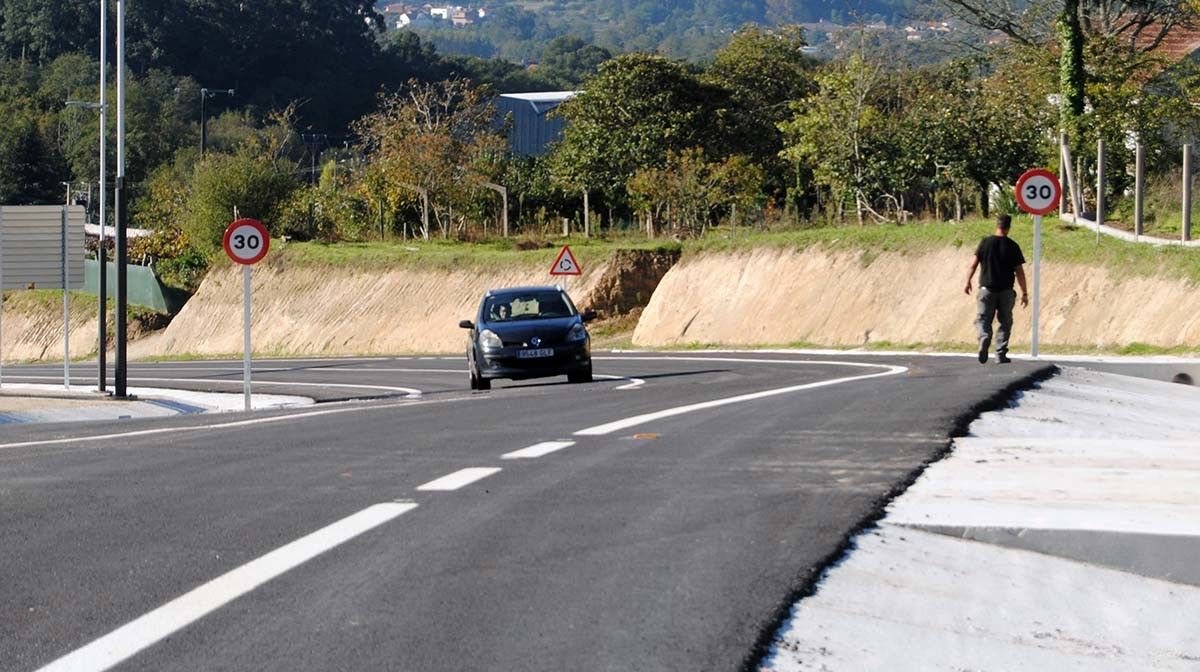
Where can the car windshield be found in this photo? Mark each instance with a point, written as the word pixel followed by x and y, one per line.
pixel 536 305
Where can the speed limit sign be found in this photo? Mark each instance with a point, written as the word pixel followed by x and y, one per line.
pixel 1038 191
pixel 246 241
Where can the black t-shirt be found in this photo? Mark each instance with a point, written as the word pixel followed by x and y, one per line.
pixel 999 257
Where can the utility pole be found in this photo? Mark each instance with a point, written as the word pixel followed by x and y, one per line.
pixel 102 253
pixel 122 366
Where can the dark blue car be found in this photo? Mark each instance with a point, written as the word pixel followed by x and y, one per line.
pixel 528 332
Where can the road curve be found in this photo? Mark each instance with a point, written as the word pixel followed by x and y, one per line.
pixel 659 519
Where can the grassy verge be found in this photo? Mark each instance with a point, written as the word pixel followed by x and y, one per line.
pixel 453 255
pixel 1062 243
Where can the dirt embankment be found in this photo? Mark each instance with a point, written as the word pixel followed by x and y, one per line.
pixel 772 296
pixel 33 326
pixel 314 309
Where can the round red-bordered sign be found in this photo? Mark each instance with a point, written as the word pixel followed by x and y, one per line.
pixel 1038 191
pixel 246 241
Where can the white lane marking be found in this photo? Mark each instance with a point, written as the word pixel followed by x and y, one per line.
pixel 143 632
pixel 609 428
pixel 633 384
pixel 744 360
pixel 410 392
pixel 235 423
pixel 537 450
pixel 458 479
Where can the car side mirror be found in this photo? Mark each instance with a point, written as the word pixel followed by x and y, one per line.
pixel 588 315
pixel 466 324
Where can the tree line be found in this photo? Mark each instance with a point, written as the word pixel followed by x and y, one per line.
pixel 761 133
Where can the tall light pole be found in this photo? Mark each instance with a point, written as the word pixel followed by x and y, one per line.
pixel 205 94
pixel 120 374
pixel 101 254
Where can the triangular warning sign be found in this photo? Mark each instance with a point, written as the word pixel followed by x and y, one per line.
pixel 566 264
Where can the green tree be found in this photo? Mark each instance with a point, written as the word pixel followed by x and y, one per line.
pixel 569 60
pixel 248 181
pixel 843 134
pixel 438 137
pixel 631 114
pixel 765 71
pixel 30 171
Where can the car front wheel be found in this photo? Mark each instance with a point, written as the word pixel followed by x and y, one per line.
pixel 584 376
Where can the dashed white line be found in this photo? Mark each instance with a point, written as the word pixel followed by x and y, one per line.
pixel 609 428
pixel 127 640
pixel 537 450
pixel 458 479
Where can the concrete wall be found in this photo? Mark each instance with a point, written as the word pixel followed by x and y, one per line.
pixel 31 246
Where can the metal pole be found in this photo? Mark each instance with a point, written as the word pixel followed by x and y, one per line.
pixel 1037 280
pixel 66 287
pixel 1063 163
pixel 1187 193
pixel 203 123
pixel 102 253
pixel 1 296
pixel 246 334
pixel 121 372
pixel 504 202
pixel 1101 201
pixel 1139 189
pixel 587 222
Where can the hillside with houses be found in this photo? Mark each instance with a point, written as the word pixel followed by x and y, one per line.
pixel 691 30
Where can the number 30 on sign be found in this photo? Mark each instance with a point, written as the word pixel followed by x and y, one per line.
pixel 1037 191
pixel 246 241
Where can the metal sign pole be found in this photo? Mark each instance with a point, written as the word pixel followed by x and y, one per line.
pixel 66 287
pixel 246 334
pixel 1 296
pixel 1037 279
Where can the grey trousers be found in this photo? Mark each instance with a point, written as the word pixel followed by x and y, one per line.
pixel 991 305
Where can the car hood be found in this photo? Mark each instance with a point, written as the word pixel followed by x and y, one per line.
pixel 552 330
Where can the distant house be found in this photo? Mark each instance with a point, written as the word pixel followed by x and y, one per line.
pixel 460 18
pixel 403 20
pixel 442 13
pixel 532 129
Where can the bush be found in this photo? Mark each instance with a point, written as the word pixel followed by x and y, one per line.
pixel 328 215
pixel 245 181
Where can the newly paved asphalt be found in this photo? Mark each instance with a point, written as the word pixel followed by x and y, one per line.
pixel 673 542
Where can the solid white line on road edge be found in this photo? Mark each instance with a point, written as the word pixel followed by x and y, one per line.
pixel 537 450
pixel 634 383
pixel 458 479
pixel 141 633
pixel 609 428
pixel 410 392
pixel 226 425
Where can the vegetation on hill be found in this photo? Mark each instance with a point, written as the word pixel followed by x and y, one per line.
pixel 341 132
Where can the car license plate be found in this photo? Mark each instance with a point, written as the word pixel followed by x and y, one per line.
pixel 535 353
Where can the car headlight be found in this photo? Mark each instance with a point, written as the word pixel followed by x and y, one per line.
pixel 577 333
pixel 489 340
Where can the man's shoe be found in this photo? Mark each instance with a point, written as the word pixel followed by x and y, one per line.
pixel 1002 359
pixel 983 348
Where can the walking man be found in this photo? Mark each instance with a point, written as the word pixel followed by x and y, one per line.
pixel 999 260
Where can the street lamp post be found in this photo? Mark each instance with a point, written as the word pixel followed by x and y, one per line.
pixel 101 253
pixel 121 368
pixel 205 94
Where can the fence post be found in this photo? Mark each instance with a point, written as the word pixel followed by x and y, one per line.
pixel 1139 189
pixel 1063 163
pixel 1187 193
pixel 1101 204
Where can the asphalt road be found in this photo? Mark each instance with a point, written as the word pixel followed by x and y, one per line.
pixel 662 519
